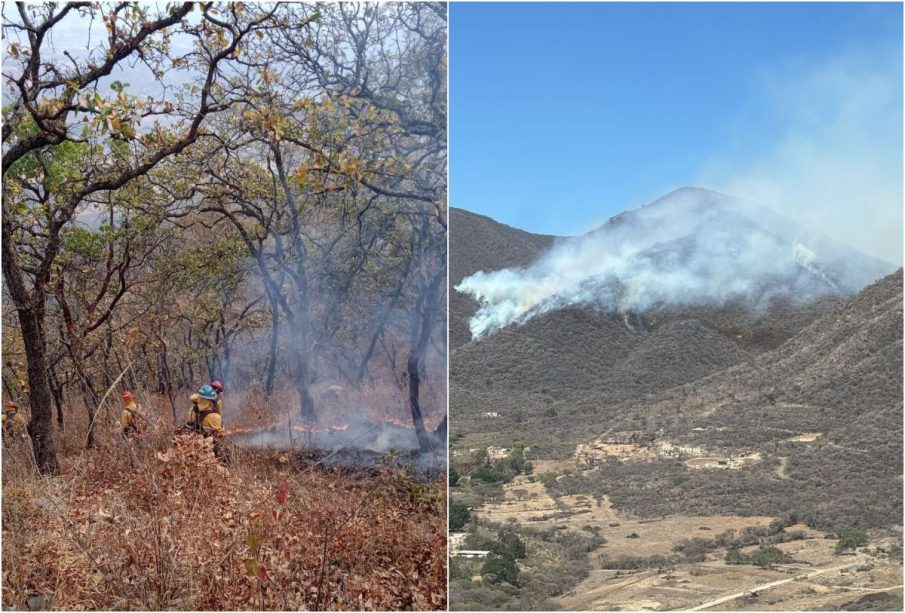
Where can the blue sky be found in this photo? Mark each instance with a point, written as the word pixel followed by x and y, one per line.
pixel 564 114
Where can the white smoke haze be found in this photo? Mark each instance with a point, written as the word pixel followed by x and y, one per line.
pixel 835 175
pixel 374 436
pixel 360 444
pixel 691 247
pixel 838 169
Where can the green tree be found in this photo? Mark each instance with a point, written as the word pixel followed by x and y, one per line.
pixel 767 556
pixel 459 515
pixel 509 544
pixel 58 104
pixel 734 556
pixel 497 569
pixel 488 473
pixel 851 539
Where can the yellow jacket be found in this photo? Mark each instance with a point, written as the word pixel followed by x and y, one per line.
pixel 211 422
pixel 14 423
pixel 130 411
pixel 194 398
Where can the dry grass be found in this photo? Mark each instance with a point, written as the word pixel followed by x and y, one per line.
pixel 160 524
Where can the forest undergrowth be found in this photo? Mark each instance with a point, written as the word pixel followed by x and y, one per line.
pixel 159 523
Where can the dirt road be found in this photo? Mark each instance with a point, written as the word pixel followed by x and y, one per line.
pixel 772 584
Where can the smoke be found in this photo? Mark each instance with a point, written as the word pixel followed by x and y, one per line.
pixel 361 444
pixel 832 164
pixel 691 247
pixel 837 167
pixel 359 433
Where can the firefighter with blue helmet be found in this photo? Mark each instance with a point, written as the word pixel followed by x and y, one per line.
pixel 203 416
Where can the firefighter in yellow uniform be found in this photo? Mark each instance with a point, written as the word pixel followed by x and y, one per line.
pixel 205 419
pixel 218 389
pixel 14 424
pixel 133 419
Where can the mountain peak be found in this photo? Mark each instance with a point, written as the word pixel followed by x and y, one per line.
pixel 693 246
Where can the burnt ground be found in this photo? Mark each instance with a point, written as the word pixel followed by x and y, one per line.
pixel 363 447
pixel 353 460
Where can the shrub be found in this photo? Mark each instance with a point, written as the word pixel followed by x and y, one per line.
pixel 459 515
pixel 766 556
pixel 497 569
pixel 508 545
pixel 488 474
pixel 851 539
pixel 734 556
pixel 763 557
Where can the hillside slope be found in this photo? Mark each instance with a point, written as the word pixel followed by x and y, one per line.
pixel 823 411
pixel 479 243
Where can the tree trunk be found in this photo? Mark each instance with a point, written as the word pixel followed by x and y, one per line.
pixel 303 378
pixel 382 322
pixel 40 428
pixel 30 310
pixel 92 412
pixel 422 326
pixel 88 394
pixel 414 403
pixel 274 343
pixel 162 374
pixel 56 390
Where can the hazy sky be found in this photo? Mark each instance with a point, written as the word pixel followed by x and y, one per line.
pixel 564 114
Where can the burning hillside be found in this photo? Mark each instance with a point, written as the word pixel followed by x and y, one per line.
pixel 692 247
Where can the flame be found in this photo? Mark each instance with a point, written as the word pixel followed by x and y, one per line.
pixel 294 428
pixel 395 422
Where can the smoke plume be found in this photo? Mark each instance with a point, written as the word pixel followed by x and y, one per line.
pixel 691 247
pixel 836 165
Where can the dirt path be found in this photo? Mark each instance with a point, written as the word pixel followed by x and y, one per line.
pixel 772 584
pixel 588 599
pixel 781 469
pixel 871 590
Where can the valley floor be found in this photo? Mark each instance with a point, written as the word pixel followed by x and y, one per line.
pixel 638 567
pixel 817 580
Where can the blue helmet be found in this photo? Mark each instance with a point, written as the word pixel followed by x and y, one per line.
pixel 207 392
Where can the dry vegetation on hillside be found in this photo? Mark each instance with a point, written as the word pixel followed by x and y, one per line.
pixel 154 526
pixel 693 417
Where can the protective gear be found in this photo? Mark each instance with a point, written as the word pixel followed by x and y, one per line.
pixel 218 387
pixel 132 420
pixel 194 398
pixel 207 393
pixel 128 397
pixel 14 423
pixel 203 417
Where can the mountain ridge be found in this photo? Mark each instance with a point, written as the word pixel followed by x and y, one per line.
pixel 689 247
